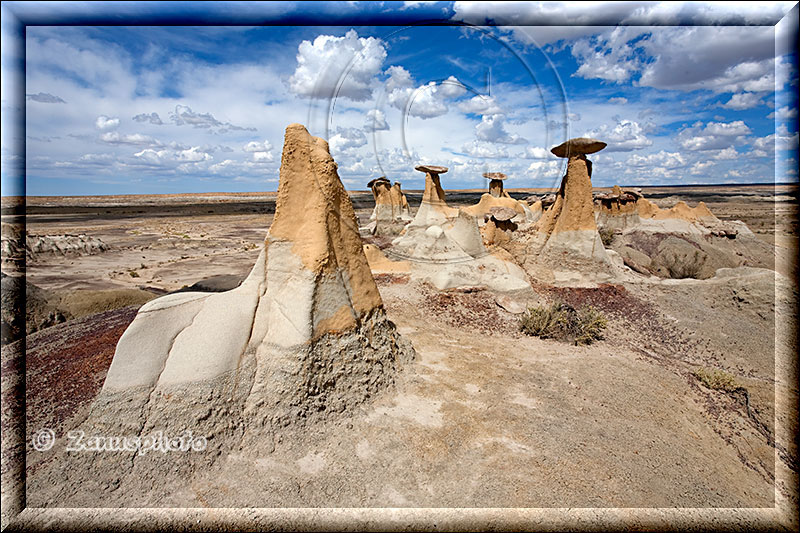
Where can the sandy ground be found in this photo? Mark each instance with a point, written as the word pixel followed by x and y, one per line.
pixel 485 417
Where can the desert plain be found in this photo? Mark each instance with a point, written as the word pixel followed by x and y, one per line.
pixel 484 416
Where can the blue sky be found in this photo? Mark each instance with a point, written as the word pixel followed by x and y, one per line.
pixel 166 109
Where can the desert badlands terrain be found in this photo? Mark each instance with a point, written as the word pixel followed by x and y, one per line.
pixel 365 350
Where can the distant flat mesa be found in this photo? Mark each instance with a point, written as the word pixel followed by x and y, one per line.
pixel 580 145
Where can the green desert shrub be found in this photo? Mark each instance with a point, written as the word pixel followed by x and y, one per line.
pixel 715 379
pixel 563 322
pixel 544 322
pixel 590 325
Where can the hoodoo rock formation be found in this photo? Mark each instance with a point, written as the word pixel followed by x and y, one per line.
pixel 445 247
pixel 499 225
pixel 391 207
pixel 497 197
pixel 626 209
pixel 304 336
pixel 496 184
pixel 569 223
pixel 433 209
pixel 619 209
pixel 399 202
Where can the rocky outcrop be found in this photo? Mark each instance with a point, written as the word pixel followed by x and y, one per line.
pixel 628 210
pixel 499 225
pixel 445 247
pixel 305 335
pixel 496 184
pixel 677 242
pixel 379 263
pixel 618 209
pixel 17 245
pixel 497 197
pixel 399 202
pixel 80 244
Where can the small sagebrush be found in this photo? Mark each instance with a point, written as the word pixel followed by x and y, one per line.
pixel 590 326
pixel 563 322
pixel 716 379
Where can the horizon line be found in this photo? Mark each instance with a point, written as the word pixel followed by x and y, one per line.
pixel 408 190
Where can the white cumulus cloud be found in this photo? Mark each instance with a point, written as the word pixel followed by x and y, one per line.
pixel 256 146
pixel 104 123
pixel 346 140
pixel 114 137
pixel 338 66
pixel 492 129
pixel 426 101
pixel 487 150
pixel 375 121
pixel 740 101
pixel 481 105
pixel 712 136
pixel 784 113
pixel 663 159
pixel 624 136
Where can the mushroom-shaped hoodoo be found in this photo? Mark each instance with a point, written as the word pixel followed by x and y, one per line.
pixel 496 183
pixel 570 223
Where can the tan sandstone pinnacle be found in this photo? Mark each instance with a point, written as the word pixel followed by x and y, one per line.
pixel 434 194
pixel 314 212
pixel 433 208
pixel 304 335
pixel 390 202
pixel 398 198
pixel 381 190
pixel 569 225
pixel 574 207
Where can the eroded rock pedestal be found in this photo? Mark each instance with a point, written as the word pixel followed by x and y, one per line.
pixel 444 245
pixel 391 208
pixel 433 209
pixel 497 197
pixel 304 337
pixel 564 247
pixel 569 223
